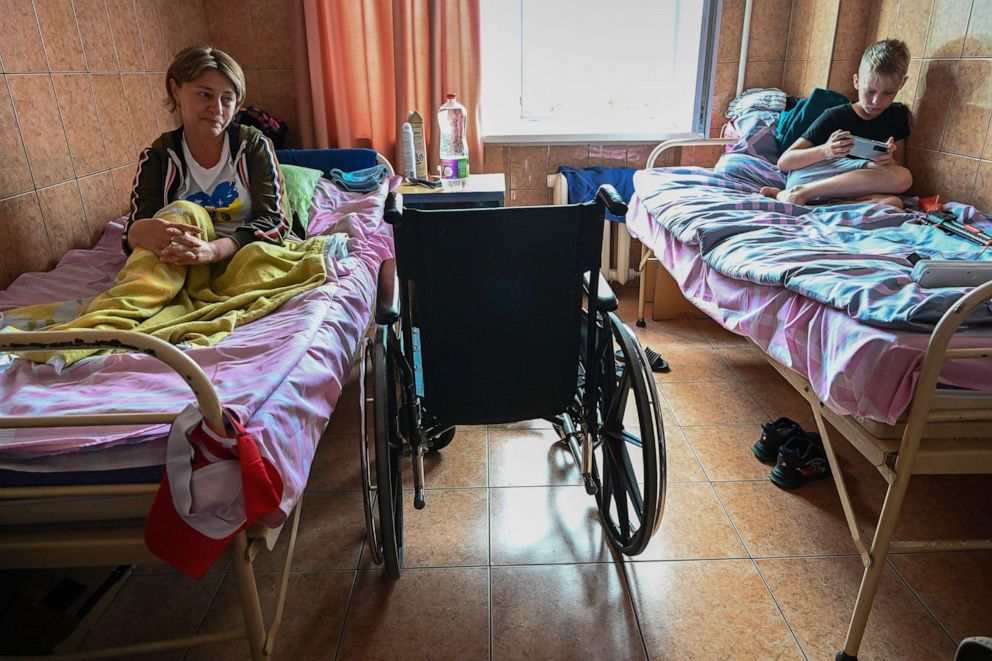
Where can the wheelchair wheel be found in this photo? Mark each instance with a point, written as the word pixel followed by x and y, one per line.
pixel 629 459
pixel 380 434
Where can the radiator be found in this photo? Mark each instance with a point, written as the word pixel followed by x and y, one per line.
pixel 616 239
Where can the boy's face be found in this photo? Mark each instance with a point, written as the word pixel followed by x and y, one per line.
pixel 876 93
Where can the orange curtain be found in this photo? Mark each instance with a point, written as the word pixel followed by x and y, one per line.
pixel 362 65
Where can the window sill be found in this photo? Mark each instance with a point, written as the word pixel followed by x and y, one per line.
pixel 583 138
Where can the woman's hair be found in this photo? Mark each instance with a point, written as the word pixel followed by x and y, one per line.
pixel 886 58
pixel 193 61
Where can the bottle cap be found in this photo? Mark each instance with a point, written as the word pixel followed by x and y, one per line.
pixel 450 95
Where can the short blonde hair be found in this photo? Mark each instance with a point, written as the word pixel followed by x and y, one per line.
pixel 886 58
pixel 193 61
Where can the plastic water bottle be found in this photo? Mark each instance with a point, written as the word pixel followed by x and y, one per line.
pixel 452 121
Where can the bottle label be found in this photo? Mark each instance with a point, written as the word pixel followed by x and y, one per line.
pixel 454 168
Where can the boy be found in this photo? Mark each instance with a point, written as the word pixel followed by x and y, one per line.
pixel 817 164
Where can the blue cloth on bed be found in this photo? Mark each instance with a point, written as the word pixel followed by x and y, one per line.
pixel 325 160
pixel 359 181
pixel 583 184
pixel 793 123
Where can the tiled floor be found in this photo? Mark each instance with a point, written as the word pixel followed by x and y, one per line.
pixel 507 561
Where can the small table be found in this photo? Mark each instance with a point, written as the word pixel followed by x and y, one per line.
pixel 480 190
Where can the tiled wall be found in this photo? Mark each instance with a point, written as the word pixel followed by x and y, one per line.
pixel 949 90
pixel 81 93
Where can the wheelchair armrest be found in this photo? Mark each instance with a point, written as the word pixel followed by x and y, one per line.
pixel 609 196
pixel 387 298
pixel 606 300
pixel 393 211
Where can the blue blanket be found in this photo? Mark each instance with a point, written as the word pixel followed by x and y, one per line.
pixel 583 184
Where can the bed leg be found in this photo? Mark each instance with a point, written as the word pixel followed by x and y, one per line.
pixel 248 591
pixel 838 475
pixel 270 640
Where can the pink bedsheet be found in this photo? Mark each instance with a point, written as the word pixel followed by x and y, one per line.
pixel 281 374
pixel 854 368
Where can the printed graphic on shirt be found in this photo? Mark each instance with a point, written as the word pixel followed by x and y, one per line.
pixel 223 203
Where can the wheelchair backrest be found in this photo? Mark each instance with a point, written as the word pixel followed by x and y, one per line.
pixel 497 296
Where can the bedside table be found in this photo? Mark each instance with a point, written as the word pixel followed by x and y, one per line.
pixel 480 190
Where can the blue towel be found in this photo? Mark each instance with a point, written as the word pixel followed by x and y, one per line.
pixel 359 181
pixel 583 184
pixel 793 123
pixel 325 160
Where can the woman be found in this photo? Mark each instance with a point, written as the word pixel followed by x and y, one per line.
pixel 228 169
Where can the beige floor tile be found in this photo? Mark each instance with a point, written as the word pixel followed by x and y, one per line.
pixel 311 624
pixel 954 586
pixel 544 525
pixel 973 493
pixel 152 608
pixel 427 614
pixel 451 531
pixel 682 463
pixel 708 610
pixel 817 597
pixel 523 424
pixel 779 399
pixel 694 525
pixel 712 403
pixel 694 364
pixel 774 522
pixel 530 457
pixel 336 465
pixel 725 452
pixel 461 464
pixel 669 334
pixel 563 612
pixel 332 530
pixel 718 336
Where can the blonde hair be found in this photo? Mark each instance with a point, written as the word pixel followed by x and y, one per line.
pixel 886 58
pixel 193 61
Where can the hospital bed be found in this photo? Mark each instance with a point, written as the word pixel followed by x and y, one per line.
pixel 81 453
pixel 910 401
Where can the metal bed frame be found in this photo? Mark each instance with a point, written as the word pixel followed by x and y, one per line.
pixel 56 545
pixel 943 432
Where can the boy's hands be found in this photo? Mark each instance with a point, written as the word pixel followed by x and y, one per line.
pixel 156 234
pixel 886 159
pixel 838 144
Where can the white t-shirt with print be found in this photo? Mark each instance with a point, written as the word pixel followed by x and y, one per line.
pixel 219 190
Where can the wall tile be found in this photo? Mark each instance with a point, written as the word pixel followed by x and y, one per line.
pixel 62 209
pixel 228 26
pixel 123 181
pixel 731 20
pixel 112 108
pixel 98 40
pixel 769 20
pixel 527 198
pixel 124 24
pixel 144 121
pixel 81 123
pixel 637 155
pixel 15 177
pixel 970 108
pixel 948 26
pixel 763 74
pixel 576 156
pixel 41 128
pixel 912 23
pixel 172 26
pixel 923 164
pixel 852 23
pixel 100 202
pixel 933 96
pixel 195 22
pixel 4 280
pixel 817 75
pixel 799 30
pixel 21 46
pixel 164 120
pixel 151 29
pixel 25 246
pixel 823 29
pixel 979 40
pixel 871 27
pixel 956 177
pixel 888 14
pixel 279 99
pixel 528 166
pixel 253 83
pixel 982 198
pixel 494 158
pixel 62 42
pixel 792 77
pixel 270 23
pixel 842 77
pixel 908 92
pixel 987 154
pixel 610 156
pixel 724 90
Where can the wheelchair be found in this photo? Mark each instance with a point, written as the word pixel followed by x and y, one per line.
pixel 480 320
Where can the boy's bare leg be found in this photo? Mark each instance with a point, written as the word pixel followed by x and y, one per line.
pixel 866 181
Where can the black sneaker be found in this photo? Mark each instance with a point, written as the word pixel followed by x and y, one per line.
pixel 800 460
pixel 773 435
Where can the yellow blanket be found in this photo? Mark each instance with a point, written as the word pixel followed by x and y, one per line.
pixel 197 305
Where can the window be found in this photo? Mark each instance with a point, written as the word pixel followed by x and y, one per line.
pixel 625 70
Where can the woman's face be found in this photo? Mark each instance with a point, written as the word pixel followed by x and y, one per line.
pixel 206 104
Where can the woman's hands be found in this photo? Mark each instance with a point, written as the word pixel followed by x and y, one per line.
pixel 156 234
pixel 178 243
pixel 838 144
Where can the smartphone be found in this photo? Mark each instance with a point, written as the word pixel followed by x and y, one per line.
pixel 867 149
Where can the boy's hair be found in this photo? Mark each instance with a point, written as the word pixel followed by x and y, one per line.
pixel 193 61
pixel 886 58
